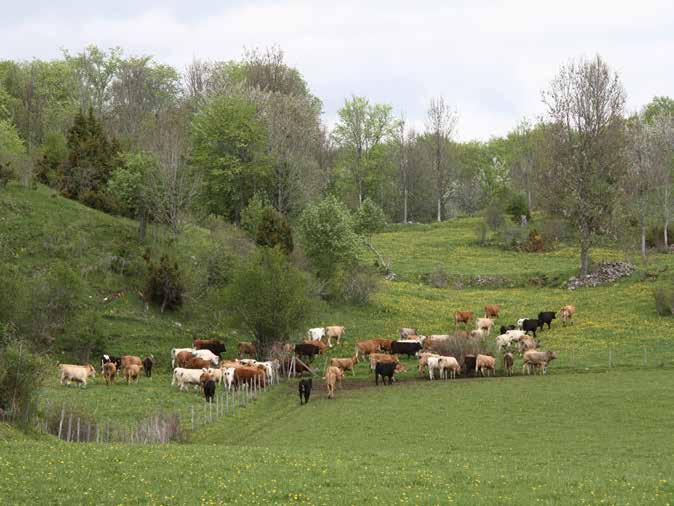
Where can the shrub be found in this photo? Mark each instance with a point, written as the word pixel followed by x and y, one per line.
pixel 219 268
pixel 664 301
pixel 21 376
pixel 370 219
pixel 251 215
pixel 493 216
pixel 328 238
pixel 534 243
pixel 358 284
pixel 6 174
pixel 274 230
pixel 518 207
pixel 481 231
pixel 164 285
pixel 459 347
pixel 270 298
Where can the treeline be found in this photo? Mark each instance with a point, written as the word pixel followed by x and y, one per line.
pixel 131 136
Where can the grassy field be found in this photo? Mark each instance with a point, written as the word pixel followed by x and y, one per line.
pixel 561 439
pixel 596 430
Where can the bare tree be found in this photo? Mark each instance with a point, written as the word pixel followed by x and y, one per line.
pixel 440 126
pixel 587 136
pixel 663 126
pixel 404 140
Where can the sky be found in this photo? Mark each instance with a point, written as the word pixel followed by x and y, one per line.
pixel 489 59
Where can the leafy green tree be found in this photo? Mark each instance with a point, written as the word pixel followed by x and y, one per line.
pixel 251 215
pixel 658 106
pixel 327 235
pixel 270 298
pixel 22 374
pixel 228 151
pixel 164 285
pixel 274 230
pixel 12 150
pixel 361 128
pixel 370 219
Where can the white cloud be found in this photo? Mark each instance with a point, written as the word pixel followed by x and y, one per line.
pixel 490 59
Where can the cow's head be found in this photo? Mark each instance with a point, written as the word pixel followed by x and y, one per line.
pixel 91 371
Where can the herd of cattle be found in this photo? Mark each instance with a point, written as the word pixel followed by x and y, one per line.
pixel 203 367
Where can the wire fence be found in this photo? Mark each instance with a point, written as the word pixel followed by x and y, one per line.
pixel 71 424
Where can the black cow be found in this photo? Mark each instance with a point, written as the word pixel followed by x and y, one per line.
pixel 305 390
pixel 385 370
pixel 209 390
pixel 307 350
pixel 148 362
pixel 531 325
pixel 506 328
pixel 213 345
pixel 109 358
pixel 546 317
pixel 405 348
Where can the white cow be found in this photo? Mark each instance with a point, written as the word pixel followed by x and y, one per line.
pixel 216 374
pixel 184 377
pixel 433 363
pixel 76 373
pixel 449 364
pixel 229 377
pixel 207 355
pixel 316 334
pixel 175 351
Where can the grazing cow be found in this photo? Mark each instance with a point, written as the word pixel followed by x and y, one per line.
pixel 484 324
pixel 182 358
pixel 408 348
pixel 483 362
pixel 216 375
pixel 109 372
pixel 478 334
pixel 307 350
pixel 109 358
pixel 366 348
pixel 197 363
pixel 530 325
pixel 566 313
pixel 423 360
pixel 383 344
pixel 505 340
pixel 491 310
pixel 537 359
pixel 406 332
pixel 209 390
pixel 449 364
pixel 224 364
pixel 381 357
pixel 247 348
pixel 212 345
pixel 506 328
pixel 76 373
pixel 128 360
pixel 345 364
pixel 249 376
pixel 462 317
pixel 316 334
pixel 545 318
pixel 185 377
pixel 174 355
pixel 433 363
pixel 304 388
pixel 432 342
pixel 207 355
pixel 148 362
pixel 387 370
pixel 131 372
pixel 508 363
pixel 332 375
pixel 335 331
pixel 271 368
pixel 528 343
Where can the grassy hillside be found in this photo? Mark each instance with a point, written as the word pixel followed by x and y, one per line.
pixel 550 440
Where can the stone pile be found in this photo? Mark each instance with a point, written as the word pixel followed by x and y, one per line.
pixel 604 273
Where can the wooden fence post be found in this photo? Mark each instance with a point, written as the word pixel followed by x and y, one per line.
pixel 70 426
pixel 78 429
pixel 63 413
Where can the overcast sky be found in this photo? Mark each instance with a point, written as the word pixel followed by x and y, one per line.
pixel 489 59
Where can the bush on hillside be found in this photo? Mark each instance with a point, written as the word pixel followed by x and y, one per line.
pixel 517 207
pixel 22 374
pixel 6 174
pixel 274 230
pixel 270 299
pixel 251 215
pixel 664 301
pixel 459 347
pixel 357 285
pixel 164 286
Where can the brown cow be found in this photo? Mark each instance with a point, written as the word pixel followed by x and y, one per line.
pixel 345 364
pixel 197 363
pixel 508 363
pixel 131 360
pixel 491 310
pixel 247 348
pixel 462 317
pixel 366 347
pixel 567 313
pixel 332 375
pixel 109 372
pixel 319 344
pixel 249 376
pixel 483 362
pixel 384 344
pixel 382 357
pixel 183 358
pixel 131 372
